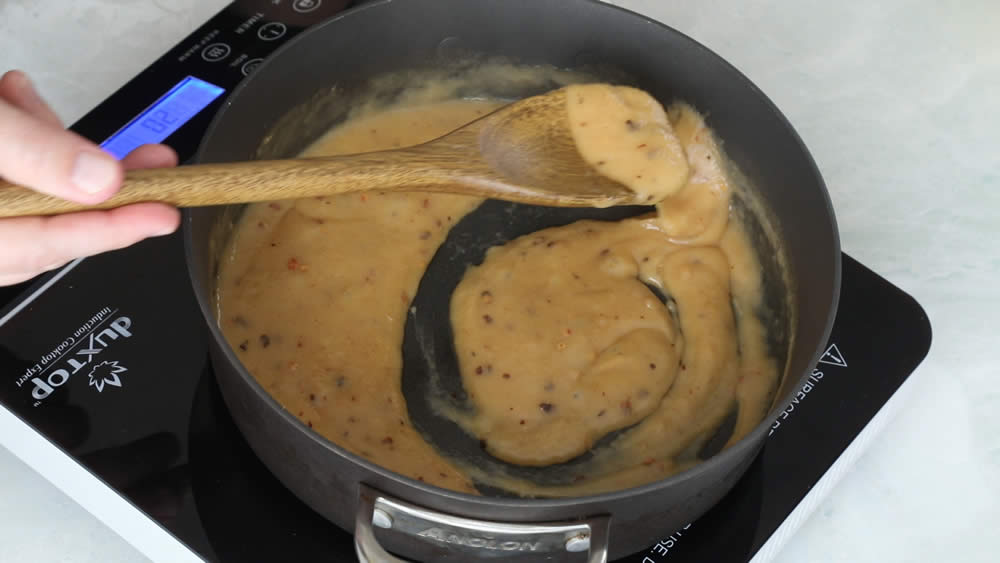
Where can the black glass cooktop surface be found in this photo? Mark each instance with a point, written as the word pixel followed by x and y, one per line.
pixel 110 363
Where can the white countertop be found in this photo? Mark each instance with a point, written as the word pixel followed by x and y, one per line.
pixel 899 103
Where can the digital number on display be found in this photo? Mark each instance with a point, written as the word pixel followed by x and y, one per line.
pixel 163 117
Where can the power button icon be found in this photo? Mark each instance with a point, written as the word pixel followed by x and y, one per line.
pixel 305 6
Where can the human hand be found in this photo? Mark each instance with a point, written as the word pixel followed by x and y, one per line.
pixel 37 152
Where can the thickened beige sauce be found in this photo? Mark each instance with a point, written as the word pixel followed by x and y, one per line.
pixel 625 134
pixel 559 341
pixel 315 295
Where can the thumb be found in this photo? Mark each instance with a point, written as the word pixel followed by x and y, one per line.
pixel 48 159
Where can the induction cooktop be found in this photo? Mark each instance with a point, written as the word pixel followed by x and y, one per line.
pixel 109 392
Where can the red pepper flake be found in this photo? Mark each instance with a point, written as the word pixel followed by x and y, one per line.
pixel 605 252
pixel 649 461
pixel 479 370
pixel 364 198
pixel 627 406
pixel 631 125
pixel 310 423
pixel 546 407
pixel 652 366
pixel 683 367
pixel 404 297
pixel 420 478
pixel 294 264
pixel 569 331
pixel 387 440
pixel 551 243
pixel 424 235
pixel 298 344
pixel 265 341
pixel 244 345
pixel 274 206
pixel 312 397
pixel 426 203
pixel 260 224
pixel 506 375
pixel 487 297
pixel 488 319
pixel 600 413
pixel 641 146
pixel 522 421
pixel 443 475
pixel 351 419
pixel 583 124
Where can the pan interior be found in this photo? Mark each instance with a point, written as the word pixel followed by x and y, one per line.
pixel 430 367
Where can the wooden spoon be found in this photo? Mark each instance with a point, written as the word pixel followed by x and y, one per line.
pixel 521 152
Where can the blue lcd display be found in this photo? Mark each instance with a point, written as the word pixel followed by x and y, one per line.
pixel 166 115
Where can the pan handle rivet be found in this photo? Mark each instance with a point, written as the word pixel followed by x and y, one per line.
pixel 577 543
pixel 381 519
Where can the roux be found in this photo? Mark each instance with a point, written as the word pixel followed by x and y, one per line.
pixel 560 340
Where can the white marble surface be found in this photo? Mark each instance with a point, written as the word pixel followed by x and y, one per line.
pixel 898 102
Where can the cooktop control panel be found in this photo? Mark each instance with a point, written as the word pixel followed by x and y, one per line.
pixel 174 99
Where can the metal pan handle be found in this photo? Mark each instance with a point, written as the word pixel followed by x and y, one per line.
pixel 471 538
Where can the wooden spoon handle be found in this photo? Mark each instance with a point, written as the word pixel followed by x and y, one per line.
pixel 242 182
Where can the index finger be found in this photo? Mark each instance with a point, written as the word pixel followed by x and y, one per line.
pixel 51 160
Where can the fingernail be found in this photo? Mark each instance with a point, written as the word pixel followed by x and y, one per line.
pixel 93 173
pixel 164 232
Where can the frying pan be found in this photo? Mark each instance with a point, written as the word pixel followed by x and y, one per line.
pixel 298 93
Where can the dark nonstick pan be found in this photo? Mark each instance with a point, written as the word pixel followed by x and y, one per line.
pixel 299 93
